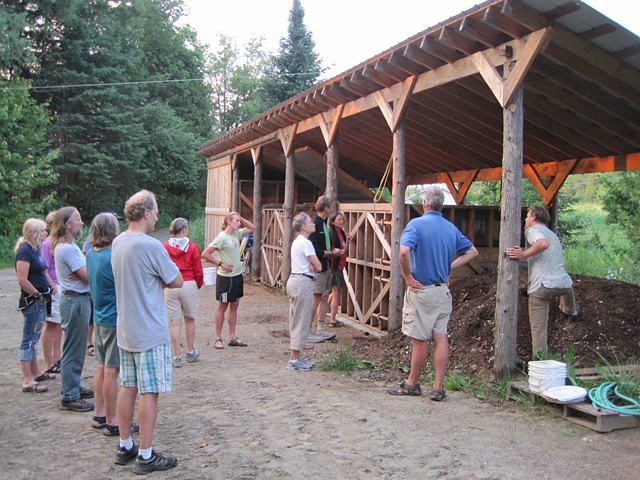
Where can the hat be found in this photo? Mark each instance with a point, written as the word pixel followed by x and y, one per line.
pixel 118 217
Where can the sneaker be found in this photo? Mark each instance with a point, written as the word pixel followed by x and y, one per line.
pixel 307 362
pixel 313 338
pixel 156 463
pixel 325 335
pixel 192 357
pixel 298 364
pixel 124 456
pixel 177 362
pixel 78 405
pixel 86 392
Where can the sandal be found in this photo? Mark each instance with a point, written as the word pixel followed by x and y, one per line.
pixel 219 345
pixel 336 324
pixel 55 368
pixel 44 376
pixel 236 342
pixel 405 389
pixel 91 350
pixel 101 422
pixel 35 388
pixel 438 395
pixel 113 430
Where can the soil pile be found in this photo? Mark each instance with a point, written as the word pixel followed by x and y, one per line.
pixel 608 326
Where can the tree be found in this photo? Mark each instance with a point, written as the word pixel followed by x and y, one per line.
pixel 236 74
pixel 26 177
pixel 622 203
pixel 296 67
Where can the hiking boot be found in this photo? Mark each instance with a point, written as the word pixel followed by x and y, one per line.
pixel 78 405
pixel 86 392
pixel 192 357
pixel 307 362
pixel 124 456
pixel 298 364
pixel 325 335
pixel 156 463
pixel 313 338
pixel 177 362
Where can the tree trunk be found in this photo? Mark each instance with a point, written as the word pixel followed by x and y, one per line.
pixel 396 287
pixel 289 191
pixel 257 220
pixel 235 191
pixel 332 173
pixel 506 315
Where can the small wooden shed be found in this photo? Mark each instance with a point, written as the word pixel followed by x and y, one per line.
pixel 508 89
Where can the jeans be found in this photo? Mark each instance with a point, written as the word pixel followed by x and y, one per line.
pixel 74 314
pixel 34 318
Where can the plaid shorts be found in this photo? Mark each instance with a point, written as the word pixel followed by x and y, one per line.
pixel 149 371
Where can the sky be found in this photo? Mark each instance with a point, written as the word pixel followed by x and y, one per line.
pixel 348 32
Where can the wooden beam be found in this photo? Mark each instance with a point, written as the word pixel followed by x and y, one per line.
pixel 391 71
pixel 458 194
pixel 260 141
pixel 596 32
pixel 256 252
pixel 561 11
pixel 329 124
pixel 627 52
pixel 394 115
pixel 287 135
pixel 421 57
pixel 400 61
pixel 454 39
pixel 547 193
pixel 255 154
pixel 377 76
pixel 438 50
pixel 288 207
pixel 482 33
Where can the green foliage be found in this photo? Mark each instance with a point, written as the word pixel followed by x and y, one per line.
pixel 622 202
pixel 488 193
pixel 476 385
pixel 344 361
pixel 296 67
pixel 379 366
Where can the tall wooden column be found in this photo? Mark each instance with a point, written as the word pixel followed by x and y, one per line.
pixel 287 136
pixel 256 154
pixel 332 173
pixel 235 185
pixel 506 314
pixel 398 208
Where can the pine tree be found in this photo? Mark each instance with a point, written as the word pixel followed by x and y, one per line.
pixel 296 67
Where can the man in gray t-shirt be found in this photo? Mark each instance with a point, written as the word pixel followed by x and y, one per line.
pixel 141 268
pixel 547 277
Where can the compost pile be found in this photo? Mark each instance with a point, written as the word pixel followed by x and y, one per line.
pixel 608 326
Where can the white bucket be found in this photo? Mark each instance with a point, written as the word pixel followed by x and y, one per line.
pixel 209 275
pixel 546 374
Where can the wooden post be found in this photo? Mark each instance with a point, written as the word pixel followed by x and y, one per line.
pixel 553 214
pixel 396 287
pixel 332 173
pixel 506 315
pixel 235 191
pixel 289 190
pixel 257 219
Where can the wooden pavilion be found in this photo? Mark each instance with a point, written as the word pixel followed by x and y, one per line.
pixel 510 88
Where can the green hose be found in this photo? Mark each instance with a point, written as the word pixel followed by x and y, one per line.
pixel 608 395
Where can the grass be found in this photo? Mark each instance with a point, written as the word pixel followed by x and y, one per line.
pixel 344 361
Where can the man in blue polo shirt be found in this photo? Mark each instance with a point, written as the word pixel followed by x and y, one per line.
pixel 427 249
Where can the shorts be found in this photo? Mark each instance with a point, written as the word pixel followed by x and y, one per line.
pixel 55 306
pixel 105 341
pixel 229 289
pixel 323 282
pixel 426 312
pixel 337 279
pixel 183 301
pixel 149 371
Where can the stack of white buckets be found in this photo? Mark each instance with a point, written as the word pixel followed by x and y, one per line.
pixel 546 374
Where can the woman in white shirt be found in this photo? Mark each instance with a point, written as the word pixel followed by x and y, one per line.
pixel 304 264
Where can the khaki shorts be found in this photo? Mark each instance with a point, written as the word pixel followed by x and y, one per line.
pixel 105 340
pixel 426 312
pixel 184 301
pixel 323 282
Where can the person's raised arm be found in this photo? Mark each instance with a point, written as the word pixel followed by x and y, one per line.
pixel 247 227
pixel 537 248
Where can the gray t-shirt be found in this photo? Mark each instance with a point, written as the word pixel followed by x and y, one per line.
pixel 140 265
pixel 546 268
pixel 69 259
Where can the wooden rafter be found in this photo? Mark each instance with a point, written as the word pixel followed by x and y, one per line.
pixel 329 124
pixel 255 154
pixel 287 136
pixel 505 89
pixel 547 193
pixel 394 115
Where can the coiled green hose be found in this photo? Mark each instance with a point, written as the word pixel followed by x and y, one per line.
pixel 605 395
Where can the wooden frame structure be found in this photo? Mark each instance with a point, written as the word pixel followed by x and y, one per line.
pixel 506 90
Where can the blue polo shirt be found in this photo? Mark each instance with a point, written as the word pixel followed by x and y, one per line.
pixel 434 243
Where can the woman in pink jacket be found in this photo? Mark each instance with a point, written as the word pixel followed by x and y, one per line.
pixel 184 301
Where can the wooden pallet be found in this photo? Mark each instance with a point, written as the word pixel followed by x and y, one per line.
pixel 598 419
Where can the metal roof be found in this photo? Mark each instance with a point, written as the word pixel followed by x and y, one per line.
pixel 581 96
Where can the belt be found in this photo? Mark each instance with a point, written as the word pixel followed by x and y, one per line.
pixel 304 275
pixel 76 294
pixel 434 285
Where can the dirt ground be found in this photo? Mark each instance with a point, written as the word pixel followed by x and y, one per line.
pixel 239 414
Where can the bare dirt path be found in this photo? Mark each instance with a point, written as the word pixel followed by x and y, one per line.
pixel 239 414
